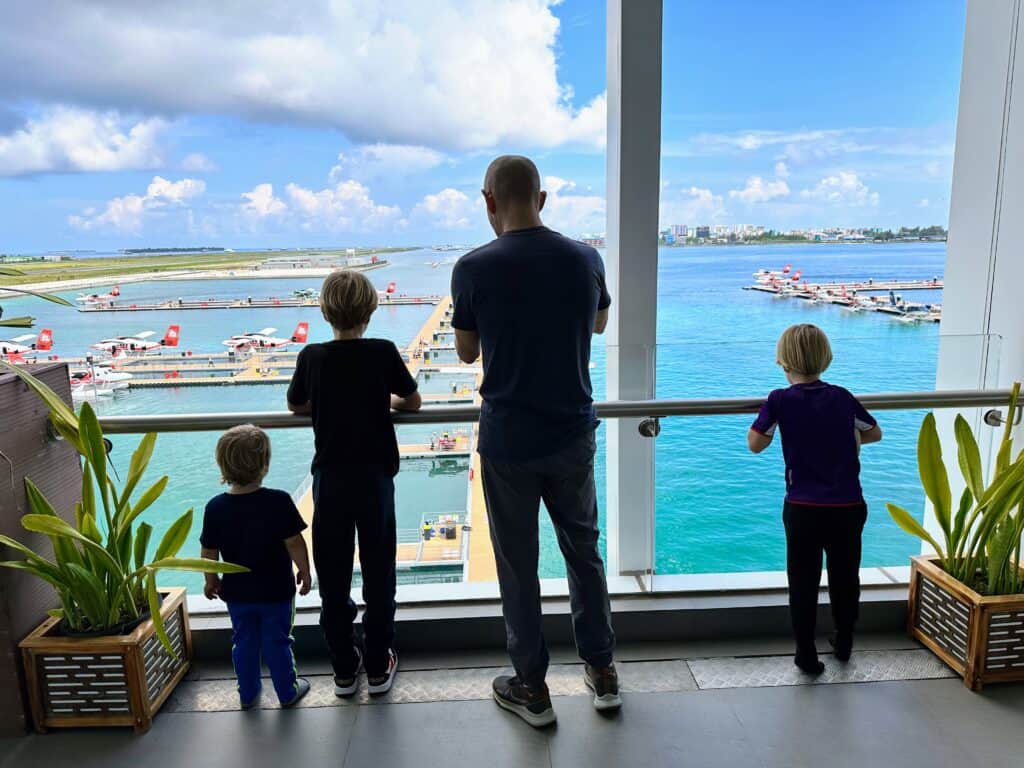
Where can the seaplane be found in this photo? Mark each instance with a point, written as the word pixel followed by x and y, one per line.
pixel 388 292
pixel 139 344
pixel 97 381
pixel 26 346
pixel 99 298
pixel 264 340
pixel 770 276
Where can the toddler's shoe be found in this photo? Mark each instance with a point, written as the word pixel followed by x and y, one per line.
pixel 301 689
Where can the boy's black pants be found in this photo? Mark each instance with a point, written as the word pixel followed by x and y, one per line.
pixel 810 532
pixel 347 504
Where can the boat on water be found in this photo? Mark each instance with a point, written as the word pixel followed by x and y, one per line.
pixel 306 293
pixel 98 377
pixel 98 298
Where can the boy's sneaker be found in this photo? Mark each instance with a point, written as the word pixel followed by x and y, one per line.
pixel 842 645
pixel 605 685
pixel 348 685
pixel 301 689
pixel 382 683
pixel 532 703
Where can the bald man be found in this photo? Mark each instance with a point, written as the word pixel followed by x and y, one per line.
pixel 531 300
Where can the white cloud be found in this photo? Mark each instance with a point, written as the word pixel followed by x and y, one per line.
pixel 461 74
pixel 345 207
pixel 758 190
pixel 377 161
pixel 570 211
pixel 261 203
pixel 448 209
pixel 127 213
pixel 843 188
pixel 692 206
pixel 66 139
pixel 924 202
pixel 197 162
pixel 781 170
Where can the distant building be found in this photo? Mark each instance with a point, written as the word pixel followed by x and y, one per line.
pixel 704 232
pixel 720 230
pixel 679 230
pixel 595 241
pixel 317 261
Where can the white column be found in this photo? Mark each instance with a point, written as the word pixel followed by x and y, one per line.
pixel 984 276
pixel 634 158
pixel 982 341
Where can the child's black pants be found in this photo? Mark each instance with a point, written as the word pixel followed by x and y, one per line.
pixel 812 531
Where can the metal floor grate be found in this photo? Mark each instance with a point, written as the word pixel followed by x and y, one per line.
pixel 421 686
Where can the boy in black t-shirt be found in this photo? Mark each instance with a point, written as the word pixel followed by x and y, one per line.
pixel 349 386
pixel 261 529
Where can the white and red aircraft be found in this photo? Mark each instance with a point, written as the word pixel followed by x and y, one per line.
pixel 261 340
pixel 99 298
pixel 28 345
pixel 389 291
pixel 138 344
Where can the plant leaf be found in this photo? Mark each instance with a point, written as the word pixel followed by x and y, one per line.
pixel 968 456
pixel 153 598
pixel 961 518
pixel 95 452
pixel 137 467
pixel 907 522
pixel 197 564
pixel 932 469
pixel 45 296
pixel 141 544
pixel 145 501
pixel 55 526
pixel 59 410
pixel 175 537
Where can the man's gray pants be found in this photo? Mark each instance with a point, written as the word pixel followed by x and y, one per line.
pixel 513 492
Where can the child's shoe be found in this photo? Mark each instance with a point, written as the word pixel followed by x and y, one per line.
pixel 382 683
pixel 842 645
pixel 347 685
pixel 301 689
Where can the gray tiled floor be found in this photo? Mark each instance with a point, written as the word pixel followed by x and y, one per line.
pixel 932 723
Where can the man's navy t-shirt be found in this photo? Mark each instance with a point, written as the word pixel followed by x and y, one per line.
pixel 533 296
pixel 817 422
pixel 250 529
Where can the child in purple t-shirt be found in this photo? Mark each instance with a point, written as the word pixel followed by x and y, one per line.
pixel 822 427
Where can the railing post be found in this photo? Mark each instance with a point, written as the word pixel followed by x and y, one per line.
pixel 633 192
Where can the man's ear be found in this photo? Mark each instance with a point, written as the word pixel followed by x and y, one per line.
pixel 492 207
pixel 543 198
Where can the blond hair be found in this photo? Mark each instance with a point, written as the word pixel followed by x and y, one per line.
pixel 347 299
pixel 804 349
pixel 243 455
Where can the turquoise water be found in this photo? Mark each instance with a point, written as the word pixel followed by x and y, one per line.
pixel 718 507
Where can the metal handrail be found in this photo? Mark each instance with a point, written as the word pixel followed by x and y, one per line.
pixel 620 409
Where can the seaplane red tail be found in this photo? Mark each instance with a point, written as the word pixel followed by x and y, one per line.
pixel 171 337
pixel 116 290
pixel 391 288
pixel 301 333
pixel 44 341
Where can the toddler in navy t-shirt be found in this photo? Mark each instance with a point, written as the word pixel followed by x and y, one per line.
pixel 822 428
pixel 261 529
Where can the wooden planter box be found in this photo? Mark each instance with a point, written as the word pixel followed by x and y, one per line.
pixel 981 638
pixel 110 680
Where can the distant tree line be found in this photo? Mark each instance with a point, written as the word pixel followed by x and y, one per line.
pixel 204 249
pixel 934 232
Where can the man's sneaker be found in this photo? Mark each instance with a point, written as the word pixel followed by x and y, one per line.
pixel 301 689
pixel 348 685
pixel 605 685
pixel 382 683
pixel 532 703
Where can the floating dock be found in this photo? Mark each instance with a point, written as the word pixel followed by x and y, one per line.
pixel 855 295
pixel 247 303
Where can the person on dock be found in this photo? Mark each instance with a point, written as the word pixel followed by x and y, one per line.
pixel 349 386
pixel 822 428
pixel 261 529
pixel 530 300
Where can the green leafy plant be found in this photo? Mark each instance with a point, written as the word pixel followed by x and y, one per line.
pixel 102 571
pixel 24 321
pixel 981 544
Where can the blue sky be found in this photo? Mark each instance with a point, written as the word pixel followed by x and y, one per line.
pixel 372 122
